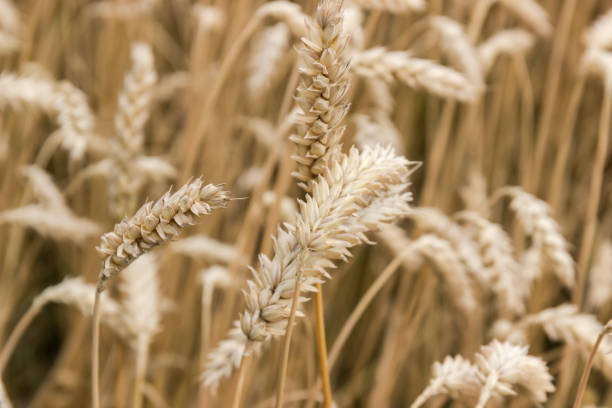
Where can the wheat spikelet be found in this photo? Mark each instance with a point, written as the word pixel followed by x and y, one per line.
pixel 4 399
pixel 394 6
pixel 599 33
pixel 50 222
pixel 19 91
pixel 321 94
pixel 353 196
pixel 204 248
pixel 44 189
pixel 429 219
pixel 531 14
pixel 600 284
pixel 504 365
pixel 132 114
pixel 455 377
pixel 155 223
pixel 505 42
pixel 534 216
pixel 415 72
pixel 460 51
pixel 268 49
pixel 507 281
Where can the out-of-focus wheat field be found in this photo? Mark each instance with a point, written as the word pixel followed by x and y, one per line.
pixel 357 203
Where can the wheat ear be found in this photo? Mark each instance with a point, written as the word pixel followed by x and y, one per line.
pixel 510 42
pixel 531 14
pixel 600 282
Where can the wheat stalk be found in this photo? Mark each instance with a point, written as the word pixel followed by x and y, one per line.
pixel 512 42
pixel 600 284
pixel 531 14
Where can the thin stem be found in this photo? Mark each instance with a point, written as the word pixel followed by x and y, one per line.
pixel 322 347
pixel 282 373
pixel 587 368
pixel 240 384
pixel 361 307
pixel 142 354
pixel 594 192
pixel 95 353
pixel 18 331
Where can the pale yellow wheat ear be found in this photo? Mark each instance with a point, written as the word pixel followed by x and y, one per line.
pixel 531 14
pixel 73 292
pixel 474 194
pixel 459 50
pixel 511 42
pixel 130 119
pixel 268 50
pixel 354 195
pixel 393 6
pixel 321 95
pixel 534 216
pixel 44 189
pixel 415 72
pixel 454 377
pixel 599 62
pixel 156 223
pixel 9 27
pixel 600 278
pixel 507 281
pixel 209 18
pixel 503 366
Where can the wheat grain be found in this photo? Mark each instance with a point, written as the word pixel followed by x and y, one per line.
pixel 600 285
pixel 504 365
pixel 455 377
pixel 512 42
pixel 321 94
pixel 155 223
pixel 353 196
pixel 534 216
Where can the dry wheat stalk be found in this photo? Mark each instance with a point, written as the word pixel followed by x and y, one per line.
pixel 132 115
pixel 600 285
pixel 394 6
pixel 459 49
pixel 353 196
pixel 534 216
pixel 429 219
pixel 268 49
pixel 510 42
pixel 155 223
pixel 497 252
pixel 455 377
pixel 50 222
pixel 414 72
pixel 599 33
pixel 531 14
pixel 321 94
pixel 504 365
pixel 204 248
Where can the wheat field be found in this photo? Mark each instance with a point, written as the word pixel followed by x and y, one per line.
pixel 334 203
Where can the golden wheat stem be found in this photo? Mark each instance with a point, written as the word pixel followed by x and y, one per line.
pixel 322 346
pixel 22 325
pixel 95 353
pixel 282 372
pixel 240 384
pixel 587 368
pixel 142 354
pixel 361 307
pixel 597 173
